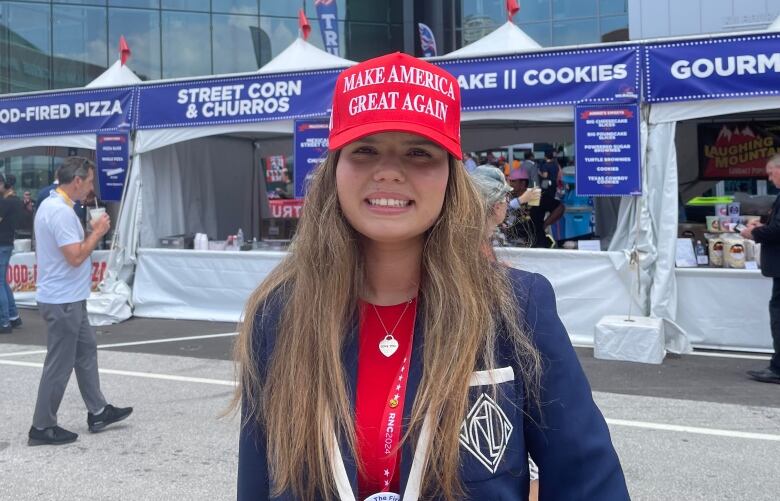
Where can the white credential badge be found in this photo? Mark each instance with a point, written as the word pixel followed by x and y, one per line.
pixel 384 496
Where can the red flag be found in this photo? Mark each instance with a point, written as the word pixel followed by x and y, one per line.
pixel 512 8
pixel 124 49
pixel 303 24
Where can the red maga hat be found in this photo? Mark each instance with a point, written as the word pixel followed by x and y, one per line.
pixel 396 93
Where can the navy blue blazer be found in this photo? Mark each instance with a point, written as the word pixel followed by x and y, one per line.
pixel 569 441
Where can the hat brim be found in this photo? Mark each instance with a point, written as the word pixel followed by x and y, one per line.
pixel 347 136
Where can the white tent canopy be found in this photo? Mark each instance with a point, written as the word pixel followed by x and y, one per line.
pixel 193 180
pixel 115 76
pixel 639 217
pixel 506 39
pixel 303 56
pixel 775 26
pixel 297 57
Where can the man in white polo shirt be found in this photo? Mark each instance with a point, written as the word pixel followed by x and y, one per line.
pixel 64 282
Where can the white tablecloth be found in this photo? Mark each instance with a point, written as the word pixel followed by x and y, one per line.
pixel 198 285
pixel 23 274
pixel 724 308
pixel 213 285
pixel 719 308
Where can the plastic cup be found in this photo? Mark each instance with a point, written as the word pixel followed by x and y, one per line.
pixel 536 196
pixel 96 213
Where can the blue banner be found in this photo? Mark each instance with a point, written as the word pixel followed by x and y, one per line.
pixel 563 78
pixel 252 98
pixel 72 112
pixel 713 69
pixel 608 153
pixel 112 160
pixel 427 40
pixel 311 145
pixel 328 14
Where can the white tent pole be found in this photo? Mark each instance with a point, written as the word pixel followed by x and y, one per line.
pixel 131 158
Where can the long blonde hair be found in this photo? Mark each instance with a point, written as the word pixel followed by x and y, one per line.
pixel 301 397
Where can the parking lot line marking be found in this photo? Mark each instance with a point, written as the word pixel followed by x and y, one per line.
pixel 729 355
pixel 614 422
pixel 22 353
pixel 168 340
pixel 694 429
pixel 131 343
pixel 146 375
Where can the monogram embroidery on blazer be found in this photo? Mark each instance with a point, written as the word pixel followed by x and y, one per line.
pixel 485 432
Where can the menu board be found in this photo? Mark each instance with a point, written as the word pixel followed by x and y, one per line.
pixel 608 148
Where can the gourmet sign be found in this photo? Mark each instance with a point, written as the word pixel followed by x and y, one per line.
pixel 737 150
pixel 713 68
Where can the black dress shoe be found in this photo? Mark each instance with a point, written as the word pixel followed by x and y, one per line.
pixel 765 376
pixel 109 415
pixel 53 435
pixel 16 322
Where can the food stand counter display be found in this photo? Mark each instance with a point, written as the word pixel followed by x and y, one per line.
pixel 198 285
pixel 718 278
pixel 22 275
pixel 724 308
pixel 208 285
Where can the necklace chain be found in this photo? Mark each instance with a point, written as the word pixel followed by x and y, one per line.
pixel 390 333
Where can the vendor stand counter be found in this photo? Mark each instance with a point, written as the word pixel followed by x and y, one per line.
pixel 198 285
pixel 726 309
pixel 22 275
pixel 215 285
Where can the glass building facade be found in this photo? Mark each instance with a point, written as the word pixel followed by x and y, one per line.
pixel 55 44
pixel 52 44
pixel 549 22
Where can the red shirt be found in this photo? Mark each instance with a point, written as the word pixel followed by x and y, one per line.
pixel 377 384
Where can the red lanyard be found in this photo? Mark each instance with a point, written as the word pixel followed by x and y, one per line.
pixel 392 419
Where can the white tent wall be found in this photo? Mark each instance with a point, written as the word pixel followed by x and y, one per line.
pixel 572 273
pixel 665 137
pixel 148 140
pixel 648 224
pixel 205 185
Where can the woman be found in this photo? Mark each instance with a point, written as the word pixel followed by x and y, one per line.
pixel 493 191
pixel 386 356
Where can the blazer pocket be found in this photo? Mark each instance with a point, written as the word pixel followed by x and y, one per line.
pixel 491 435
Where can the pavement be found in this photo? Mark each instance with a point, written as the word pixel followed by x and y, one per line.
pixel 693 428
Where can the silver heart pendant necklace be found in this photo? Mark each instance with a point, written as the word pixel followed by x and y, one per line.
pixel 389 344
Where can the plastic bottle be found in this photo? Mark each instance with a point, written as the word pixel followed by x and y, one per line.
pixel 701 254
pixel 240 238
